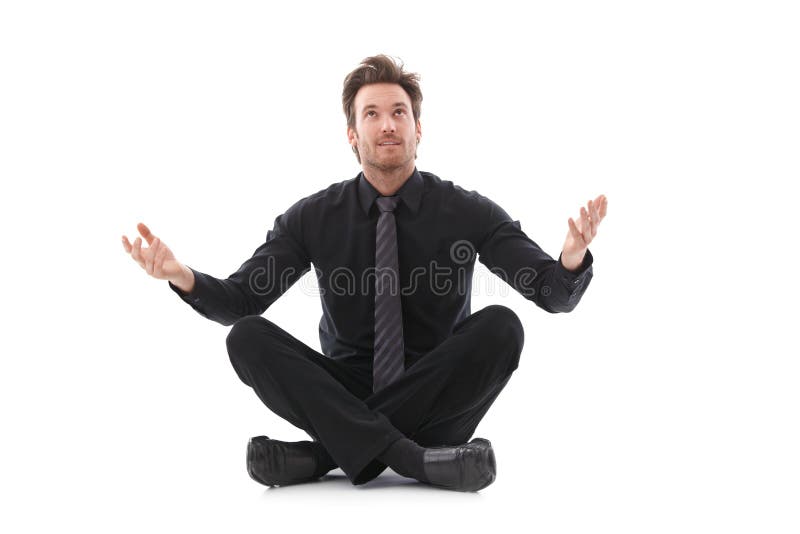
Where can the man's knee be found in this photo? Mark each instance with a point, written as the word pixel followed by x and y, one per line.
pixel 504 324
pixel 245 339
pixel 243 333
pixel 505 332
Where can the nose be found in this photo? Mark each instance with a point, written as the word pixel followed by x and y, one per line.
pixel 388 125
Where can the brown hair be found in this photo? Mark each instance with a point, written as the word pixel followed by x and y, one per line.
pixel 379 69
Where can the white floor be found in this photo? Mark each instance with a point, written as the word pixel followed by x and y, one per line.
pixel 203 487
pixel 622 431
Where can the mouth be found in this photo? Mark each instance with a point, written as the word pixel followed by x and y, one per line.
pixel 389 143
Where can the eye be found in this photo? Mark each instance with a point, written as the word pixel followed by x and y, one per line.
pixel 370 113
pixel 400 111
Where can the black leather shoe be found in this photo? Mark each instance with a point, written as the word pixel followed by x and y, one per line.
pixel 280 463
pixel 469 467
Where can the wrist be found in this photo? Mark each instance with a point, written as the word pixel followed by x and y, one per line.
pixel 572 262
pixel 184 282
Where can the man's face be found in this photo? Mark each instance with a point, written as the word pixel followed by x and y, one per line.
pixel 385 134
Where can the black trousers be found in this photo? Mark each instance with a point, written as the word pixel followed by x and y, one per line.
pixel 440 399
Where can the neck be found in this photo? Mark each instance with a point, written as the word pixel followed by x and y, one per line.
pixel 387 182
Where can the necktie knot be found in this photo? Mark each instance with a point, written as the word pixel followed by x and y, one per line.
pixel 387 203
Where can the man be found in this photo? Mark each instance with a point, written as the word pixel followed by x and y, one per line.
pixel 406 371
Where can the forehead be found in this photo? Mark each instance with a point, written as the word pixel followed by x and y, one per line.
pixel 382 95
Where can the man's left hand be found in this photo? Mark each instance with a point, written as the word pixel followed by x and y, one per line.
pixel 582 232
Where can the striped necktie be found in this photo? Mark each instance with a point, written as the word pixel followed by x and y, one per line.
pixel 389 358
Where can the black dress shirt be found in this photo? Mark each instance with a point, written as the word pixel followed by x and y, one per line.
pixel 441 228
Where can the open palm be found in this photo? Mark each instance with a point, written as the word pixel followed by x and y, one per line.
pixel 157 259
pixel 583 231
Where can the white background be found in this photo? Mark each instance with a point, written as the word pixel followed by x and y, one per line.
pixel 667 401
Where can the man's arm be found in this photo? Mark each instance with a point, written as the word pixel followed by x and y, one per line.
pixel 510 254
pixel 274 267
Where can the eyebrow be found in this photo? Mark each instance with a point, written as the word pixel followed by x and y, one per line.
pixel 396 105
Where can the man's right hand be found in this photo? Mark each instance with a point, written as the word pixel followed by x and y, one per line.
pixel 158 260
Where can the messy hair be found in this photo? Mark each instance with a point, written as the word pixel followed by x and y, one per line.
pixel 379 69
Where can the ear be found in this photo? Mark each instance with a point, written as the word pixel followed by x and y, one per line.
pixel 419 130
pixel 352 137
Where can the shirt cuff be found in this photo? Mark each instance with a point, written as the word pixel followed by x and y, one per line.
pixel 195 295
pixel 570 278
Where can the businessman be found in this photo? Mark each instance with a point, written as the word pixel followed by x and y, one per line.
pixel 406 371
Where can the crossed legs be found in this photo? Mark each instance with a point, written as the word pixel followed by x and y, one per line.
pixel 438 401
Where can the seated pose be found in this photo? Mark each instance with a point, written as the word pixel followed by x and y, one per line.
pixel 406 371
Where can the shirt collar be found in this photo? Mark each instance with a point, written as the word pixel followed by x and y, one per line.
pixel 410 192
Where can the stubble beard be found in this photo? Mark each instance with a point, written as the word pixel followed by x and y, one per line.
pixel 370 159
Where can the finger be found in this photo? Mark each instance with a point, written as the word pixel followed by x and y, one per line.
pixel 598 205
pixel 578 224
pixel 587 228
pixel 158 263
pixel 142 254
pixel 603 207
pixel 126 245
pixel 137 251
pixel 573 230
pixel 146 233
pixel 595 218
pixel 151 256
pixel 585 220
pixel 157 247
